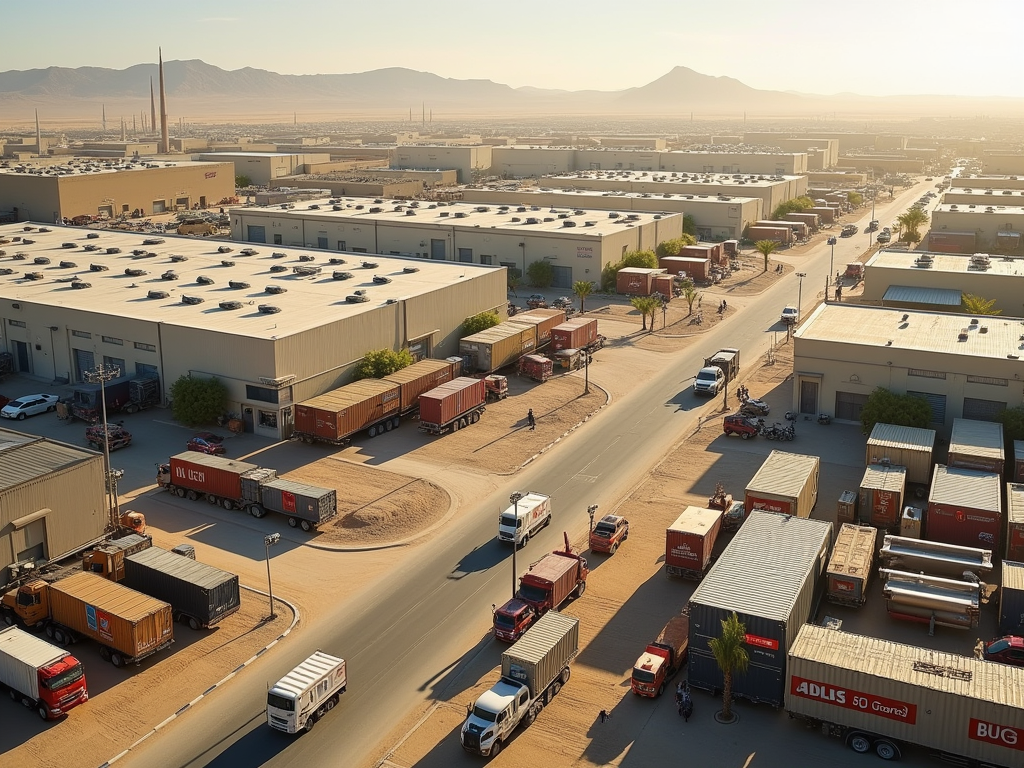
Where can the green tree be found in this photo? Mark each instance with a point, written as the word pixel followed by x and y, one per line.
pixel 766 248
pixel 910 222
pixel 540 274
pixel 582 289
pixel 640 259
pixel 854 198
pixel 378 363
pixel 609 275
pixel 515 282
pixel 690 293
pixel 243 181
pixel 886 407
pixel 976 305
pixel 669 248
pixel 479 322
pixel 793 205
pixel 646 305
pixel 731 656
pixel 690 226
pixel 196 401
pixel 1012 420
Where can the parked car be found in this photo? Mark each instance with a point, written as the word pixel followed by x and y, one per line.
pixel 790 314
pixel 208 443
pixel 117 437
pixel 29 405
pixel 738 424
pixel 610 531
pixel 1005 650
pixel 883 237
pixel 536 301
pixel 849 230
pixel 754 407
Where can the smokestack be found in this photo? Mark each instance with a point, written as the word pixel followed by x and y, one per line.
pixel 152 106
pixel 39 136
pixel 104 118
pixel 135 130
pixel 165 141
pixel 123 137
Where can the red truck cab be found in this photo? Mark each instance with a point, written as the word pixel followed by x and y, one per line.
pixel 513 619
pixel 661 659
pixel 62 686
pixel 1006 650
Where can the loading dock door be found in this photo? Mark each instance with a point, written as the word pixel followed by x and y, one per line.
pixel 562 278
pixel 438 250
pixel 84 361
pixel 849 405
pixel 21 356
pixel 937 403
pixel 982 410
pixel 256 234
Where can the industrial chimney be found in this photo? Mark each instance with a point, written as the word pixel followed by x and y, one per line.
pixel 152 107
pixel 165 141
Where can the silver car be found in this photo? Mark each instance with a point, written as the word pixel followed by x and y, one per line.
pixel 29 405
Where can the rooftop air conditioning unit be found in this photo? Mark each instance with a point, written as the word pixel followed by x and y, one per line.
pixel 268 309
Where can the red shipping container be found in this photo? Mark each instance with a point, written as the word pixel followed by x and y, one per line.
pixel 574 334
pixel 452 399
pixel 693 267
pixel 214 475
pixel 690 540
pixel 881 494
pixel 421 377
pixel 964 508
pixel 543 319
pixel 339 413
pixel 1015 522
pixel 634 281
pixel 536 367
pixel 662 284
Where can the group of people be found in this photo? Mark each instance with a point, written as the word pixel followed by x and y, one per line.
pixel 742 394
pixel 683 701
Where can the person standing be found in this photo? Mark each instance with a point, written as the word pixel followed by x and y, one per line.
pixel 531 420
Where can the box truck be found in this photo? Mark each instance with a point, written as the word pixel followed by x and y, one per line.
pixel 41 676
pixel 522 520
pixel 533 671
pixel 786 483
pixel 662 659
pixel 307 693
pixel 690 540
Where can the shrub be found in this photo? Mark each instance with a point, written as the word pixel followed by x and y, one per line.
pixel 378 363
pixel 197 401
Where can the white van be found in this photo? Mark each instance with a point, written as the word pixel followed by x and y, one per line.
pixel 305 694
pixel 534 514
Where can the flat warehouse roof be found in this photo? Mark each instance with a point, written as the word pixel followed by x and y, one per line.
pixel 924 331
pixel 308 300
pixel 94 166
pixel 586 194
pixel 979 207
pixel 466 216
pixel 944 262
pixel 678 177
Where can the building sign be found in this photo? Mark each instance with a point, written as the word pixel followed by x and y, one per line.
pixel 994 733
pixel 848 698
pixel 584 251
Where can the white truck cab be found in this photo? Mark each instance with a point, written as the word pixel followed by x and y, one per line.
pixel 495 715
pixel 534 512
pixel 304 695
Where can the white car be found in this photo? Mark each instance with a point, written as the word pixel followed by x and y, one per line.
pixel 790 314
pixel 29 405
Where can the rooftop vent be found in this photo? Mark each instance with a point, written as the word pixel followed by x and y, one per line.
pixel 69 245
pixel 306 271
pixel 445 213
pixel 26 241
pixel 230 305
pixel 80 284
pixel 278 268
pixel 40 260
pixel 249 252
pixel 275 289
pixel 204 280
pixel 192 299
pixel 68 265
pixel 90 247
pixel 370 265
pixel 376 209
pixel 357 298
pixel 335 261
pixel 6 271
pixel 153 241
pixel 92 235
pixel 337 207
pixel 410 212
pixel 169 275
pixel 135 272
pixel 568 223
pixel 224 249
pixel 158 294
pixel 410 270
pixel 613 215
pixel 98 267
pixel 381 280
pixel 306 257
pixel 278 255
pixel 113 250
pixel 33 275
pixel 237 284
pixel 268 309
pixel 227 263
pixel 176 257
pixel 342 275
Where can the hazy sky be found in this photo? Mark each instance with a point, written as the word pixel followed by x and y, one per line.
pixel 876 47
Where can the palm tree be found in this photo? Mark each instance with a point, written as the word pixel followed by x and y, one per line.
pixel 766 248
pixel 731 656
pixel 645 305
pixel 582 289
pixel 515 282
pixel 690 293
pixel 977 305
pixel 910 221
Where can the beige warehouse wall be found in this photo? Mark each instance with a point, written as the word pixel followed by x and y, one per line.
pixel 36 198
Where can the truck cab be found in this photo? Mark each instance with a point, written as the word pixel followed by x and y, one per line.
pixel 496 387
pixel 650 671
pixel 709 381
pixel 61 686
pixel 30 603
pixel 513 619
pixel 494 716
pixel 521 521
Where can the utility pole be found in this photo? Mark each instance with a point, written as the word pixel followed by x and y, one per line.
pixel 269 541
pixel 590 513
pixel 799 296
pixel 515 498
pixel 102 374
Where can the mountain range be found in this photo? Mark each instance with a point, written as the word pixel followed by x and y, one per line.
pixel 198 89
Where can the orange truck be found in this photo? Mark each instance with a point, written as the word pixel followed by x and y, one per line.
pixel 662 659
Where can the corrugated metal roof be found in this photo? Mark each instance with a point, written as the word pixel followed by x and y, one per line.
pixel 28 648
pixel 181 567
pixel 882 478
pixel 783 474
pixel 216 462
pixel 763 569
pixel 696 520
pixel 909 664
pixel 307 673
pixel 414 371
pixel 1015 502
pixel 356 392
pixel 542 637
pixel 496 333
pixel 299 489
pixel 912 294
pixel 943 262
pixel 854 551
pixel 115 598
pixel 28 460
pixel 968 488
pixel 906 438
pixel 977 438
pixel 1013 575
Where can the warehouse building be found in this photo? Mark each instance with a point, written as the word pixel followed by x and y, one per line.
pixel 52 501
pixel 718 217
pixel 468 161
pixel 263 167
pixel 1003 163
pixel 277 326
pixel 997 228
pixel 983 196
pixel 363 184
pixel 88 187
pixel 977 181
pixel 938 281
pixel 577 243
pixel 963 366
pixel 524 161
pixel 822 153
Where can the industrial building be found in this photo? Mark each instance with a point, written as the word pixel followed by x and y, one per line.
pixel 963 366
pixel 52 499
pixel 977 181
pixel 92 187
pixel 938 281
pixel 718 217
pixel 997 228
pixel 968 196
pixel 277 326
pixel 468 161
pixel 822 153
pixel 263 167
pixel 1008 163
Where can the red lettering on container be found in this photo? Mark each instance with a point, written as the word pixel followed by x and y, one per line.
pixel 994 733
pixel 288 501
pixel 855 700
pixel 762 642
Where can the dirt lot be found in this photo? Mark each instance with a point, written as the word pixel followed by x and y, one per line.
pixel 374 506
pixel 111 720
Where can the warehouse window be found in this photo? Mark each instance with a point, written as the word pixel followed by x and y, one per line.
pixel 263 394
pixel 466 255
pixel 278 240
pixel 936 402
pixel 485 259
pixel 16 323
pixel 987 380
pixel 982 410
pixel 268 419
pixel 341 245
pixel 82 334
pixel 145 347
pixel 925 374
pixel 112 340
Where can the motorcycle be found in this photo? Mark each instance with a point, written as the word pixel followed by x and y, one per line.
pixel 824 418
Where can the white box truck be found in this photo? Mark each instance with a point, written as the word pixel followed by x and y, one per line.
pixel 533 671
pixel 305 694
pixel 521 521
pixel 41 676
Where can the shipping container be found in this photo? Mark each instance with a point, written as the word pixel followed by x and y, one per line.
pixel 131 625
pixel 712 251
pixel 694 268
pixel 577 333
pixel 336 415
pixel 198 593
pixel 1015 522
pixel 868 691
pixel 415 379
pixel 783 235
pixel 663 285
pixel 977 445
pixel 850 566
pixel 906 554
pixel 826 213
pixel 846 507
pixel 305 505
pixel 911 522
pixel 690 540
pixel 964 508
pixel 881 495
pixel 542 320
pixel 909 447
pixel 786 483
pixel 799 228
pixel 1011 599
pixel 635 281
pixel 1018 461
pixel 498 346
pixel 198 473
pixel 539 656
pixel 536 367
pixel 769 576
pixel 444 405
pixel 812 220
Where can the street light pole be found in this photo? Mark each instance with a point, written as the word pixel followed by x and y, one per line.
pixel 590 513
pixel 269 541
pixel 515 498
pixel 799 296
pixel 586 372
pixel 103 373
pixel 831 259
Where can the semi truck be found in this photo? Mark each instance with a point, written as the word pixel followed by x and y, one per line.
pixel 41 676
pixel 239 485
pixel 452 406
pixel 307 693
pixel 521 521
pixel 878 696
pixel 128 625
pixel 125 393
pixel 549 583
pixel 662 659
pixel 533 671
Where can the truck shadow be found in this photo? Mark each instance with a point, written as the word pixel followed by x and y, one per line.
pixel 485 557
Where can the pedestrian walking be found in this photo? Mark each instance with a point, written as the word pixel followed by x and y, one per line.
pixel 531 420
pixel 604 715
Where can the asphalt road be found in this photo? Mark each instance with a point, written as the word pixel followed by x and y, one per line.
pixel 407 635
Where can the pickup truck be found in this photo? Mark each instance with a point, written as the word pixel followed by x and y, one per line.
pixel 718 370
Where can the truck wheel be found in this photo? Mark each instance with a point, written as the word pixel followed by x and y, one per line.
pixel 745 435
pixel 309 724
pixel 525 540
pixel 661 689
pixel 104 653
pixel 43 712
pixel 455 426
pixel 554 689
pixel 612 548
pixel 49 631
pixel 117 660
pixel 292 522
pixel 211 499
pixel 329 704
pixel 886 750
pixel 8 618
pixel 228 504
pixel 306 526
pixel 179 492
pixel 566 674
pixel 193 624
pixel 389 425
pixel 581 589
pixel 193 495
pixel 496 748
pixel 531 715
pixel 463 422
pixel 859 742
pixel 547 522
pixel 59 637
pixel 257 511
pixel 14 694
pixel 475 417
pixel 372 432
